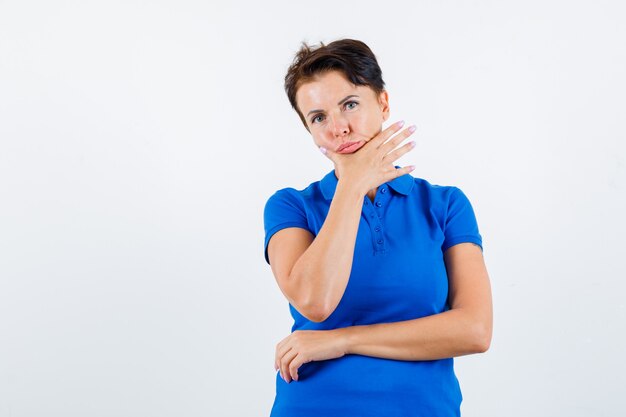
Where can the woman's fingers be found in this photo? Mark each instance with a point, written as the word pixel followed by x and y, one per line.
pixel 369 166
pixel 395 141
pixel 379 139
pixel 293 367
pixel 397 153
pixel 280 351
pixel 398 172
pixel 284 364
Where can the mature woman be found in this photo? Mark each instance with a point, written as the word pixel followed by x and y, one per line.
pixel 383 271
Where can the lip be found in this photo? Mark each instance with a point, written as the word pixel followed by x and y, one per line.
pixel 347 147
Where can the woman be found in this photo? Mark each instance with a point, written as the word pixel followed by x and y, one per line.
pixel 383 271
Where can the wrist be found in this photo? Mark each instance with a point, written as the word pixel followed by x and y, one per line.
pixel 350 189
pixel 346 338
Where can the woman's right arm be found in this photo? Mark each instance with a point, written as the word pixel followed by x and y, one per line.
pixel 313 272
pixel 318 278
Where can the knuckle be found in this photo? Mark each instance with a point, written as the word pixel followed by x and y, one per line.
pixel 387 134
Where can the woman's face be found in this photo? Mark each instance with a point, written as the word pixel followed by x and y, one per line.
pixel 338 112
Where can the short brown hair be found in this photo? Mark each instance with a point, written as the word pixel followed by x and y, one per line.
pixel 352 57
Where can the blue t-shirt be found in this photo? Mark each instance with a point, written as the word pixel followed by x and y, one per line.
pixel 398 273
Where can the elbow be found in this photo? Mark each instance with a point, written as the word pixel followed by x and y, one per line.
pixel 315 313
pixel 309 305
pixel 482 339
pixel 311 309
pixel 478 333
pixel 308 308
pixel 316 318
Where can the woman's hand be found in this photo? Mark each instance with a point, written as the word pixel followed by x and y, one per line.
pixel 373 163
pixel 303 346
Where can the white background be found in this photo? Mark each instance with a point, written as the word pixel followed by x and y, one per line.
pixel 139 142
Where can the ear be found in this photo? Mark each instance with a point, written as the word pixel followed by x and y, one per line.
pixel 383 101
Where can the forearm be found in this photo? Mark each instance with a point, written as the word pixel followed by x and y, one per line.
pixel 321 274
pixel 451 333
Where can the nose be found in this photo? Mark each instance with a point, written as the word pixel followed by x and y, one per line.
pixel 339 126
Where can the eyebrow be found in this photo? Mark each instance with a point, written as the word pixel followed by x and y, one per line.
pixel 339 104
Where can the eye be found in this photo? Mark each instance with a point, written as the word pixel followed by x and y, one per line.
pixel 313 120
pixel 351 104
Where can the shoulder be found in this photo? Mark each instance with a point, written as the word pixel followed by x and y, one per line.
pixel 298 197
pixel 453 212
pixel 287 193
pixel 437 195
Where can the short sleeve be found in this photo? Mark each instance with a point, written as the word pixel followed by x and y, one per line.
pixel 460 224
pixel 283 209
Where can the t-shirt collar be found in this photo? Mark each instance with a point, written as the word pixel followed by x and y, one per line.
pixel 401 184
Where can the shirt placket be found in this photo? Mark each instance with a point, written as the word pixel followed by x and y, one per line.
pixel 374 212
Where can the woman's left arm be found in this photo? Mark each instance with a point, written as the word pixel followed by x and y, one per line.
pixel 464 329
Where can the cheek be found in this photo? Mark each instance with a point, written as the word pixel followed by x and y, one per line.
pixel 320 138
pixel 366 124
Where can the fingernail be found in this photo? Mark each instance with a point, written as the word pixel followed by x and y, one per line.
pixel 323 150
pixel 412 128
pixel 401 123
pixel 411 167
